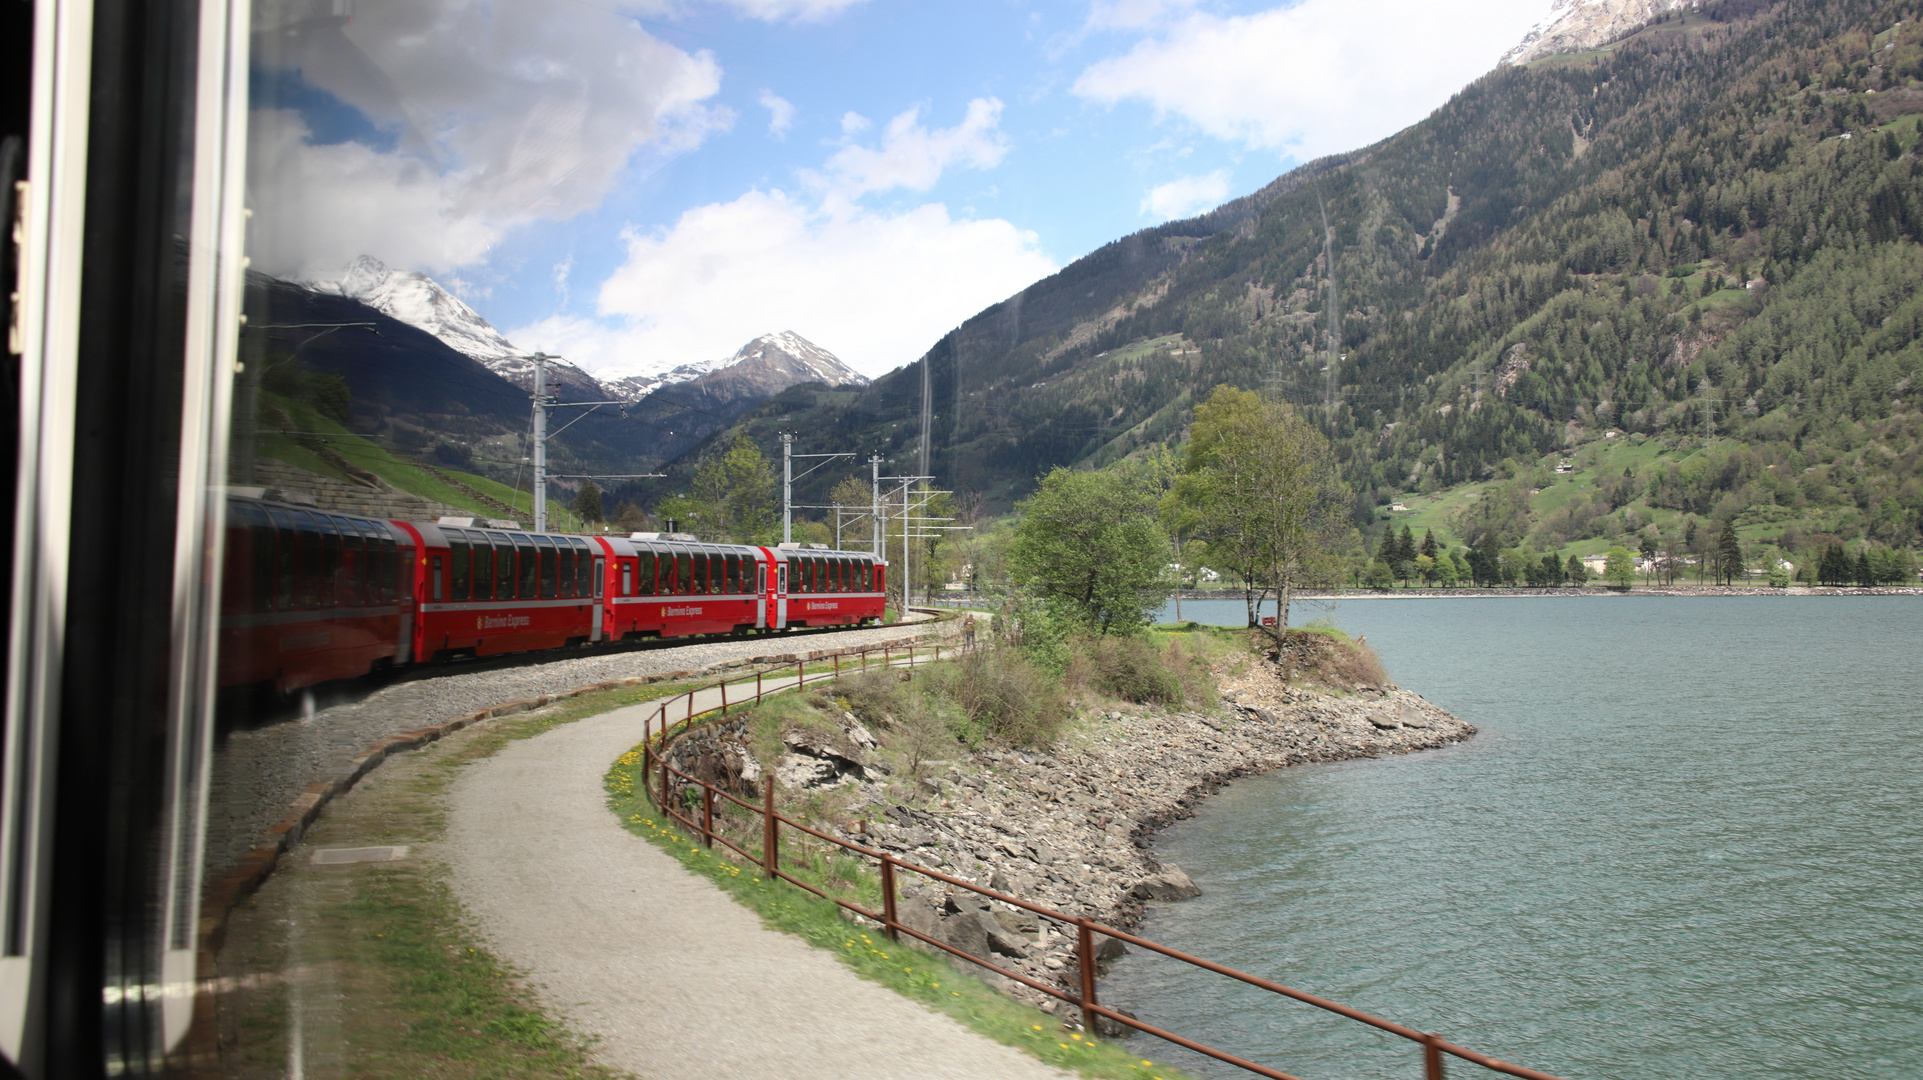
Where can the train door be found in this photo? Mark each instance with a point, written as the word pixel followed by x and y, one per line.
pixel 781 594
pixel 600 592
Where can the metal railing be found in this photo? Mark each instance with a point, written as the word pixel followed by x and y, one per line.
pixel 660 729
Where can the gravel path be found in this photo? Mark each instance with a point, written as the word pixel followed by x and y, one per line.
pixel 669 975
pixel 257 773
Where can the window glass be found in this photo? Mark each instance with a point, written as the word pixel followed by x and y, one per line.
pixel 390 571
pixel 627 579
pixel 597 570
pixel 644 573
pixel 586 581
pixel 716 574
pixel 434 574
pixel 565 553
pixel 546 548
pixel 734 574
pixel 461 567
pixel 260 558
pixel 483 567
pixel 285 552
pixel 761 576
pixel 684 574
pixel 327 585
pixel 528 579
pixel 700 574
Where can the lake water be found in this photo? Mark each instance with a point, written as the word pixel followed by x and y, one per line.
pixel 1688 842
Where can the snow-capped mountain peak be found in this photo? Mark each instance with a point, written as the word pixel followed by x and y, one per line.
pixel 774 361
pixel 419 301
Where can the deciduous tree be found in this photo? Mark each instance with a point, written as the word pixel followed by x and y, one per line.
pixel 1270 498
pixel 1089 547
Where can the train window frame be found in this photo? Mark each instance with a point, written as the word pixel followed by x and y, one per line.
pixel 284 559
pixel 564 569
pixel 460 564
pixel 483 566
pixel 717 574
pixel 327 585
pixel 646 563
pixel 586 582
pixel 348 578
pixel 434 578
pixel 544 551
pixel 733 573
pixel 698 584
pixel 527 564
pixel 683 573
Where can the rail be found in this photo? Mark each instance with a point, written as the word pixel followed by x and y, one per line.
pixel 659 779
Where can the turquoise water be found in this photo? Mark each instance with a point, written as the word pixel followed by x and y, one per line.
pixel 1687 843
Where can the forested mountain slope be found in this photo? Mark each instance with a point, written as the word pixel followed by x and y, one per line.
pixel 1705 235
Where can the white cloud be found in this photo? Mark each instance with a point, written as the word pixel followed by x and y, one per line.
pixel 496 114
pixel 781 113
pixel 1187 196
pixel 1133 14
pixel 875 289
pixel 1310 79
pixel 914 157
pixel 790 10
pixel 853 123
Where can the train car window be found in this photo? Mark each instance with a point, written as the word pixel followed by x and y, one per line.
pixel 368 575
pixel 528 579
pixel 627 579
pixel 845 575
pixel 546 549
pixel 503 566
pixel 587 580
pixel 460 561
pixel 599 570
pixel 684 574
pixel 387 570
pixel 283 591
pixel 717 574
pixel 352 558
pixel 260 559
pixel 790 574
pixel 307 540
pixel 483 567
pixel 565 574
pixel 643 573
pixel 734 574
pixel 434 573
pixel 700 585
pixel 761 577
pixel 328 586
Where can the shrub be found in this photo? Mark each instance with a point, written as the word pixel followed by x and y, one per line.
pixel 1332 658
pixel 1134 670
pixel 1008 697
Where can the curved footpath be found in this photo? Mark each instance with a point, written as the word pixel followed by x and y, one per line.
pixel 669 975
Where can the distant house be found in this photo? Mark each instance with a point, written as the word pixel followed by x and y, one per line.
pixel 1396 508
pixel 1595 564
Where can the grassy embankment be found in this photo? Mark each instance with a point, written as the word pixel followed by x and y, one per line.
pixel 404 475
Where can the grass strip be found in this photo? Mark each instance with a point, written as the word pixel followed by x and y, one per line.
pixel 375 967
pixel 932 980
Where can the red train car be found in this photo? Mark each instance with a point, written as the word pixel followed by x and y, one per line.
pixel 309 597
pixel 482 592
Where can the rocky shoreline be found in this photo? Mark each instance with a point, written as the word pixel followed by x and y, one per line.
pixel 1071 829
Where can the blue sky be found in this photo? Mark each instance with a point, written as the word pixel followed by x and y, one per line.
pixel 636 186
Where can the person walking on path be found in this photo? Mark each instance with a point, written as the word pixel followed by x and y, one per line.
pixel 968 631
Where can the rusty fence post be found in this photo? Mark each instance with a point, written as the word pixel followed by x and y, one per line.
pixel 837 665
pixel 707 814
pixel 1431 1057
pixel 801 673
pixel 888 922
pixel 647 762
pixel 724 698
pixel 690 697
pixel 757 684
pixel 663 759
pixel 1085 956
pixel 770 828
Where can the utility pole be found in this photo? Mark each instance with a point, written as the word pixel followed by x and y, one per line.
pixel 907 581
pixel 874 463
pixel 541 404
pixel 543 401
pixel 787 486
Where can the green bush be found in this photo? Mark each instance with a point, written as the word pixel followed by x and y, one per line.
pixel 1133 669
